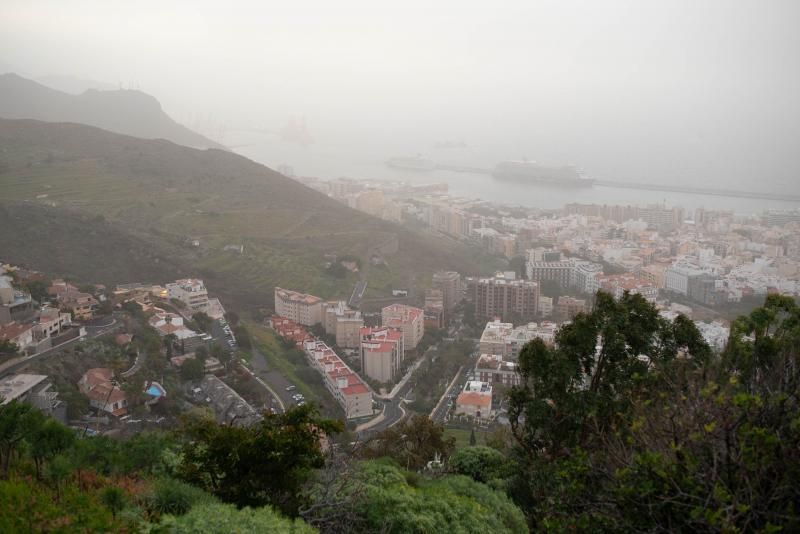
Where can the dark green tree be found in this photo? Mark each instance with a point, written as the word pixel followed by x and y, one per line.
pixel 192 369
pixel 576 394
pixel 48 439
pixel 113 497
pixel 266 463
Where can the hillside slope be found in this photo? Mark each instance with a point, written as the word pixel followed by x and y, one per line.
pixel 166 195
pixel 122 111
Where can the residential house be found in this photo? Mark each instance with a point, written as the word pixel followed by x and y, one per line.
pixel 104 395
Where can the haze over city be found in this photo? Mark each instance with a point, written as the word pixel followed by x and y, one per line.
pixel 684 92
pixel 412 267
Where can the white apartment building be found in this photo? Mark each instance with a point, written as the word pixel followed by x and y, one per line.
pixel 191 291
pixel 676 277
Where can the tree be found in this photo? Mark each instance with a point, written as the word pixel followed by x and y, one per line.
pixel 224 518
pixel 266 463
pixel 58 470
pixel 48 439
pixel 412 443
pixel 203 321
pixel 192 370
pixel 684 442
pixel 481 464
pixel 17 422
pixel 113 497
pixel 8 348
pixel 392 500
pixel 232 317
pixel 38 290
pixel 472 440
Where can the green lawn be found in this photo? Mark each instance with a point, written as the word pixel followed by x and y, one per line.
pixel 462 436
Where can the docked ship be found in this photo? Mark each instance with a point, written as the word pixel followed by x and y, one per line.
pixel 416 163
pixel 532 172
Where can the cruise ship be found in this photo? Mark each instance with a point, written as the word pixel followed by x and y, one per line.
pixel 532 172
pixel 416 163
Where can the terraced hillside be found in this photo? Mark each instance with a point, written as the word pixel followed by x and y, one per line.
pixel 166 196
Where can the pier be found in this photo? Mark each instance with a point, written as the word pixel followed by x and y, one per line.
pixel 670 188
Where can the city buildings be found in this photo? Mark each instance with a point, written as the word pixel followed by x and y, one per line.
pixel 299 307
pixel 449 283
pixel 407 319
pixel 504 340
pixel 191 292
pixel 475 400
pixel 492 369
pixel 344 385
pixel 15 305
pixel 505 297
pixel 618 284
pixel 676 277
pixel 343 323
pixel 493 339
pixel 381 353
pixel 568 307
pixel 434 309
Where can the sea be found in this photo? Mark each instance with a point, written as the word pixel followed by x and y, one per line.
pixel 327 159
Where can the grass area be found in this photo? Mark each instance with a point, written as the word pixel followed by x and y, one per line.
pixel 462 436
pixel 166 195
pixel 293 365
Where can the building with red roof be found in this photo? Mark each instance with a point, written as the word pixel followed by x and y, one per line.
pixel 475 400
pixel 343 383
pixel 97 384
pixel 381 353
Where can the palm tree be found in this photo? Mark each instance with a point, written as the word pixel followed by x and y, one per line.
pixel 114 499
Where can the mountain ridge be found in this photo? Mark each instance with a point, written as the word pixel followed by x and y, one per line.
pixel 123 111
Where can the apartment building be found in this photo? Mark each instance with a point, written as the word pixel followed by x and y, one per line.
pixel 343 323
pixel 503 296
pixel 407 319
pixel 346 386
pixel 191 291
pixel 568 307
pixel 449 283
pixel 676 277
pixel 492 369
pixel 493 339
pixel 299 307
pixel 381 353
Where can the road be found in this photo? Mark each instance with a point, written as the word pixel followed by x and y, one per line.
pixel 95 328
pixel 358 293
pixel 439 413
pixel 272 380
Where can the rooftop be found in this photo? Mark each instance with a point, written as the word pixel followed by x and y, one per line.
pixel 13 387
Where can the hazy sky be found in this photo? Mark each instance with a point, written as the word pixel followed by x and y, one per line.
pixel 698 89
